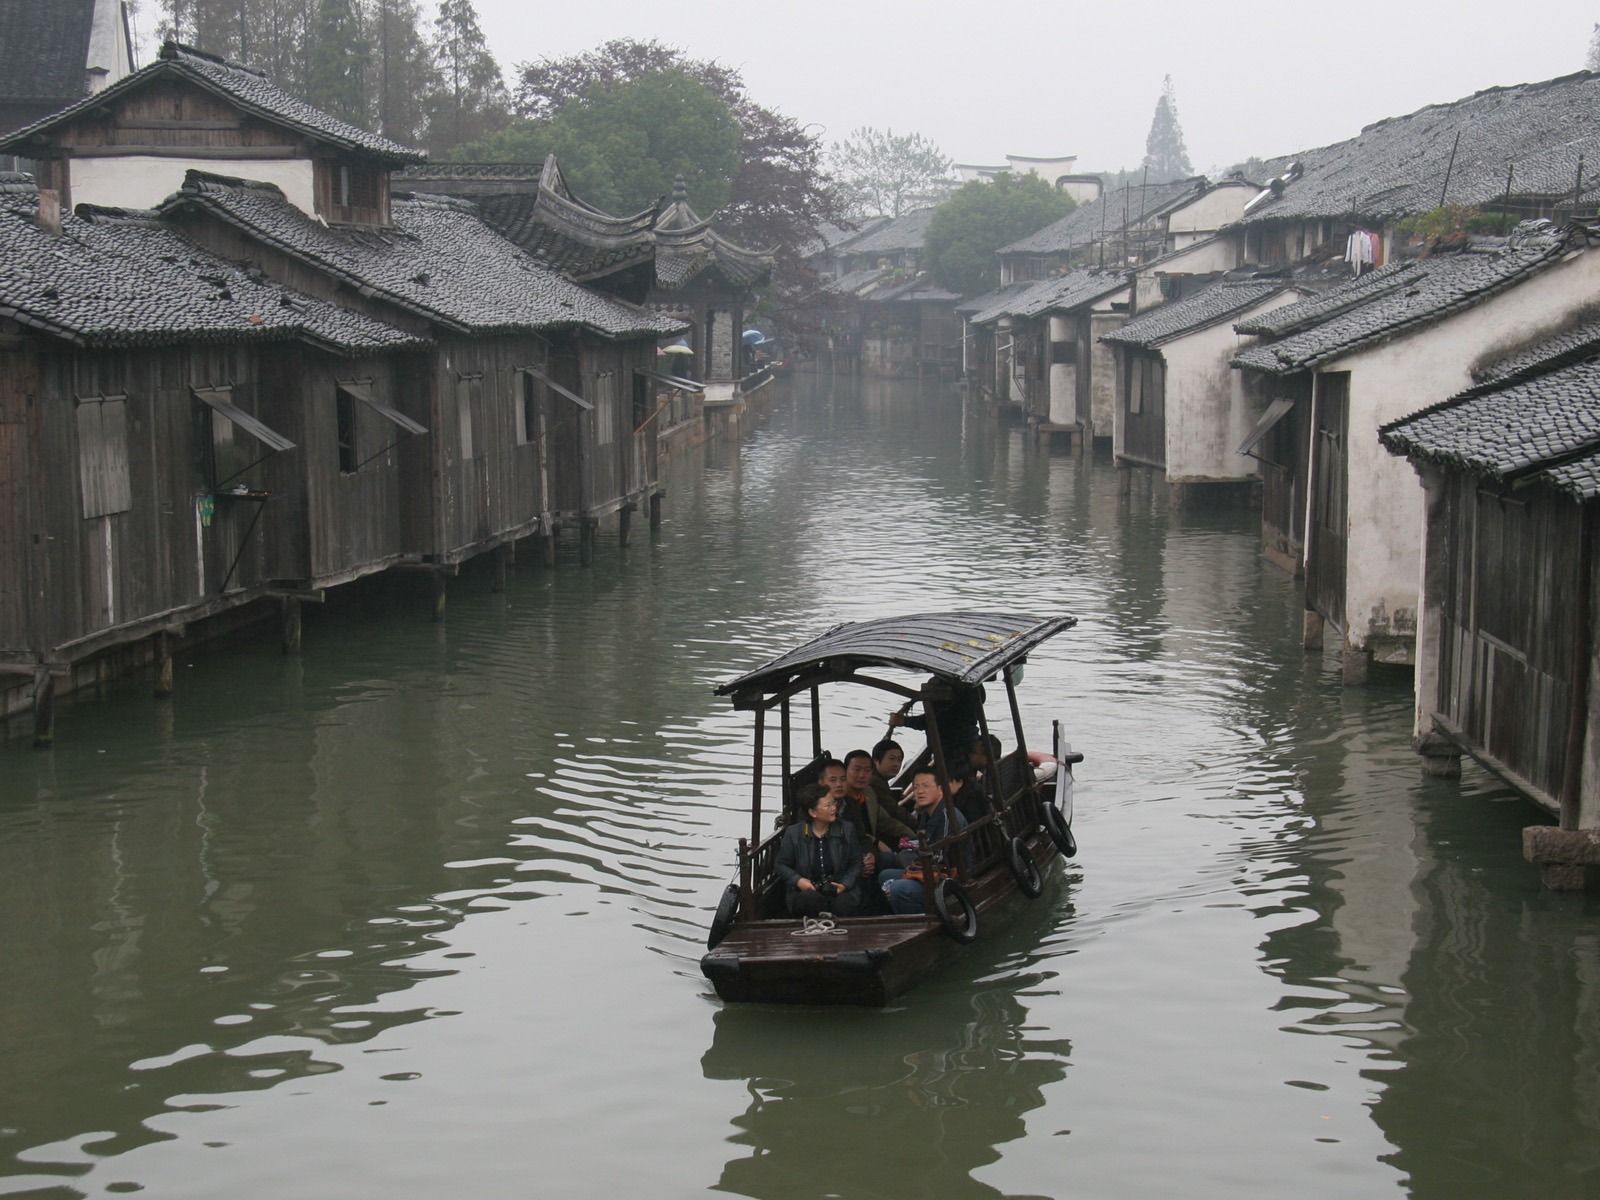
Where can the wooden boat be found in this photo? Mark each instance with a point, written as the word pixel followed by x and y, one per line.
pixel 756 951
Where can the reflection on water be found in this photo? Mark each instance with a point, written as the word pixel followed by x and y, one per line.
pixel 860 1115
pixel 419 912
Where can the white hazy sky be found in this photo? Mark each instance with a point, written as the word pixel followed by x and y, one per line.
pixel 1041 78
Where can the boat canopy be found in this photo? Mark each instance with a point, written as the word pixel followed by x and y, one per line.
pixel 960 647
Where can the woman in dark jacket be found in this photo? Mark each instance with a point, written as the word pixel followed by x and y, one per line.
pixel 820 862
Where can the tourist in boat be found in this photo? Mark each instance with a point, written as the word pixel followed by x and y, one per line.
pixel 887 759
pixel 819 860
pixel 936 820
pixel 879 825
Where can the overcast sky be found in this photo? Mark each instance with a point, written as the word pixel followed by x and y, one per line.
pixel 1033 78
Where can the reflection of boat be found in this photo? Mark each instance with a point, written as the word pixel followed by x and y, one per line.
pixel 757 952
pixel 857 1107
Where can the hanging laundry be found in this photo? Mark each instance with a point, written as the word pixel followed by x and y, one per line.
pixel 1358 250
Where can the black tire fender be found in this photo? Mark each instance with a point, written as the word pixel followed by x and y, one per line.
pixel 727 909
pixel 1060 832
pixel 1023 869
pixel 956 911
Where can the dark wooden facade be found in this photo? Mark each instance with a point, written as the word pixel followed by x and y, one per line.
pixel 1328 524
pixel 1142 404
pixel 1507 574
pixel 148 489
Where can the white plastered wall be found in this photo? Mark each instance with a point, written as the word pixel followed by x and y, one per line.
pixel 140 181
pixel 1207 410
pixel 1384 496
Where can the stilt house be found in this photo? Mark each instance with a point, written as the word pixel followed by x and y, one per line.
pixel 168 426
pixel 1363 354
pixel 1180 408
pixel 1507 669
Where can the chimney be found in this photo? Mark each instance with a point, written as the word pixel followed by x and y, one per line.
pixel 49 210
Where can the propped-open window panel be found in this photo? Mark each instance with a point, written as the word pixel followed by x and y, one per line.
pixel 1276 411
pixel 543 377
pixel 237 439
pixel 103 455
pixel 351 393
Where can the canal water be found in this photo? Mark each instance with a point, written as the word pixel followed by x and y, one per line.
pixel 418 913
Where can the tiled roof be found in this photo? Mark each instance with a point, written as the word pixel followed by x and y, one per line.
pixel 113 279
pixel 1215 304
pixel 1545 428
pixel 1397 166
pixel 980 310
pixel 1292 318
pixel 544 218
pixel 920 288
pixel 1428 290
pixel 247 89
pixel 439 261
pixel 907 232
pixel 1061 293
pixel 1580 341
pixel 1127 207
pixel 44 49
pixel 854 281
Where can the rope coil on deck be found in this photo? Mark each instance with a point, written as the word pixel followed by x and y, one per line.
pixel 816 926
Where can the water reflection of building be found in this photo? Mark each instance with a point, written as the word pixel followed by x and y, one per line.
pixel 939 1090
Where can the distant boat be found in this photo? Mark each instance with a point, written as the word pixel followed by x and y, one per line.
pixel 756 951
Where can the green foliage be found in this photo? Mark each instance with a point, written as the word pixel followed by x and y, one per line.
pixel 469 101
pixel 1455 221
pixel 622 145
pixel 1165 156
pixel 335 69
pixel 973 224
pixel 1437 222
pixel 883 173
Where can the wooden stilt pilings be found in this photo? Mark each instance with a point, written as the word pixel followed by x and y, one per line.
pixel 438 595
pixel 655 513
pixel 502 567
pixel 44 709
pixel 624 520
pixel 289 624
pixel 163 687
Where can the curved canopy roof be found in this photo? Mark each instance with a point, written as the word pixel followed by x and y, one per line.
pixel 961 647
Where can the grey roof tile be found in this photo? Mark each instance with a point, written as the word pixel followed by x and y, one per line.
pixel 1127 207
pixel 902 233
pixel 248 89
pixel 1545 428
pixel 1059 294
pixel 1399 297
pixel 44 48
pixel 1215 304
pixel 1397 166
pixel 439 261
pixel 113 279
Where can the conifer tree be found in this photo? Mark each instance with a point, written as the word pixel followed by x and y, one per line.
pixel 402 70
pixel 1165 156
pixel 470 98
pixel 336 62
pixel 1591 60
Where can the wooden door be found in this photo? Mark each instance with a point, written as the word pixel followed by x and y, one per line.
pixel 1328 529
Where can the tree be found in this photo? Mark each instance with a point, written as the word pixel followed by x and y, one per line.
pixel 887 174
pixel 1165 156
pixel 968 229
pixel 469 100
pixel 624 144
pixel 402 70
pixel 1591 60
pixel 336 62
pixel 780 191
